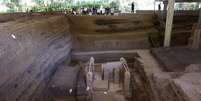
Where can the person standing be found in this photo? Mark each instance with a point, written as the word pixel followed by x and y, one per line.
pixel 133 7
pixel 159 7
pixel 65 12
pixel 112 11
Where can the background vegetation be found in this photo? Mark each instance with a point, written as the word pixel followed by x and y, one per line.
pixel 59 5
pixel 53 5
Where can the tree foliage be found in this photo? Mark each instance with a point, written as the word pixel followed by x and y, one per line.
pixel 52 5
pixel 58 5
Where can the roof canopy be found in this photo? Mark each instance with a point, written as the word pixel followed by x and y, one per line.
pixel 182 0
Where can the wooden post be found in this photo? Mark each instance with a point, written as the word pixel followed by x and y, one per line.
pixel 127 77
pixel 196 34
pixel 169 21
pixel 196 39
pixel 199 20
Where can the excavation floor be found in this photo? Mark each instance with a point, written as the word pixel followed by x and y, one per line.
pixel 176 59
pixel 110 96
pixel 112 93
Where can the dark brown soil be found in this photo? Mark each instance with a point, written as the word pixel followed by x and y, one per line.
pixel 176 59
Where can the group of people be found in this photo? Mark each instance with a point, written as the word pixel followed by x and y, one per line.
pixel 95 11
pixel 91 11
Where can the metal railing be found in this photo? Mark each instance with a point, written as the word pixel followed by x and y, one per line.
pixel 89 71
pixel 126 78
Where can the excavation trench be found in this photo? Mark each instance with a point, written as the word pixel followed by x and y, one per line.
pixel 110 81
pixel 43 57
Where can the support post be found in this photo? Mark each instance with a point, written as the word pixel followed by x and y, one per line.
pixel 196 39
pixel 169 21
pixel 199 20
pixel 197 34
pixel 127 77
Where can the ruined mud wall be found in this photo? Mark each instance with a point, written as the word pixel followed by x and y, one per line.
pixel 11 16
pixel 5 17
pixel 100 33
pixel 30 51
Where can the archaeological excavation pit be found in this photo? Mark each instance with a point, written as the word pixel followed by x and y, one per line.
pixel 78 55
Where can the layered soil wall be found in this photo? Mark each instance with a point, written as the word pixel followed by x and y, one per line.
pixel 30 51
pixel 100 33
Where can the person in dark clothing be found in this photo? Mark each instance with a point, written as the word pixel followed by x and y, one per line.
pixel 106 11
pixel 159 7
pixel 94 11
pixel 133 7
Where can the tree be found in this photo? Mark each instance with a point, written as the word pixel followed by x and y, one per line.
pixel 39 2
pixel 114 4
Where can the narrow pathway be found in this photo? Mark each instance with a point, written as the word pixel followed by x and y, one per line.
pixel 150 66
pixel 150 63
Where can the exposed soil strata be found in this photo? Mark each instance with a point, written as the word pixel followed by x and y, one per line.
pixel 102 33
pixel 29 54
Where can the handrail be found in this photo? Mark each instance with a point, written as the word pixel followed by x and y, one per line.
pixel 89 70
pixel 124 63
pixel 127 76
pixel 90 65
